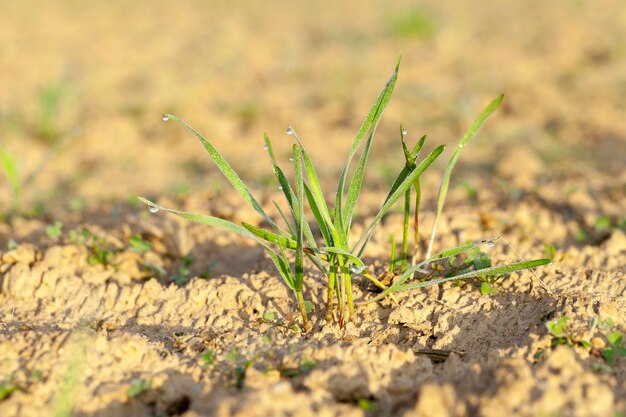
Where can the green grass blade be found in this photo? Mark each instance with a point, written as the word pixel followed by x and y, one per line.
pixel 399 192
pixel 294 205
pixel 405 149
pixel 355 260
pixel 7 162
pixel 270 150
pixel 487 272
pixel 282 265
pixel 227 170
pixel 318 216
pixel 449 253
pixel 445 182
pixel 266 235
pixel 299 217
pixel 370 123
pixel 354 190
pixel 399 179
pixel 315 189
pixel 282 214
pixel 202 218
pixel 418 147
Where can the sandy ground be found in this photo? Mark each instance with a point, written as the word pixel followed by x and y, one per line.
pixel 200 317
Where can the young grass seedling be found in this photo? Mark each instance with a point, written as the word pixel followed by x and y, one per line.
pixel 17 184
pixel 337 257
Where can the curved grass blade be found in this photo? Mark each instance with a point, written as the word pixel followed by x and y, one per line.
pixel 282 215
pixel 282 265
pixel 355 260
pixel 283 242
pixel 294 204
pixel 269 148
pixel 318 216
pixel 445 182
pixel 399 192
pixel 315 189
pixel 227 170
pixel 354 189
pixel 202 218
pixel 300 222
pixel 487 272
pixel 370 123
pixel 448 253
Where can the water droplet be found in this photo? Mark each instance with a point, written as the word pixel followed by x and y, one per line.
pixel 165 117
pixel 153 209
pixel 355 269
pixel 291 159
pixel 461 146
pixel 404 132
pixel 280 187
pixel 491 243
pixel 290 130
pixel 265 147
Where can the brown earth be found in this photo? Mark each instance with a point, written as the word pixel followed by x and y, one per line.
pixel 547 168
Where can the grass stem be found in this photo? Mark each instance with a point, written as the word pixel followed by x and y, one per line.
pixel 305 320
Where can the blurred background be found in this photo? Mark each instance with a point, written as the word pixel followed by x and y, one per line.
pixel 87 82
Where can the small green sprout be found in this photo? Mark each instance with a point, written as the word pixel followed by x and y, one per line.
pixel 183 274
pixel 6 389
pixel 54 230
pixel 366 405
pixel 562 333
pixel 603 223
pixel 137 244
pixel 208 358
pixel 616 348
pixel 138 386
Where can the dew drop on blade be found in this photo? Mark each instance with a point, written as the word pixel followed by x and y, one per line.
pixel 291 159
pixel 404 132
pixel 280 187
pixel 153 210
pixel 355 269
pixel 290 130
pixel 165 117
pixel 264 147
pixel 491 243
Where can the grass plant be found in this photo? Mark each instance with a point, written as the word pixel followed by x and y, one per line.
pixel 339 254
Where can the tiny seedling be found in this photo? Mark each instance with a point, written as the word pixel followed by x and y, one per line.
pixel 241 365
pixel 6 389
pixel 9 164
pixel 616 347
pixel 562 333
pixel 207 358
pixel 138 386
pixel 339 254
pixel 183 275
pixel 137 244
pixel 54 230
